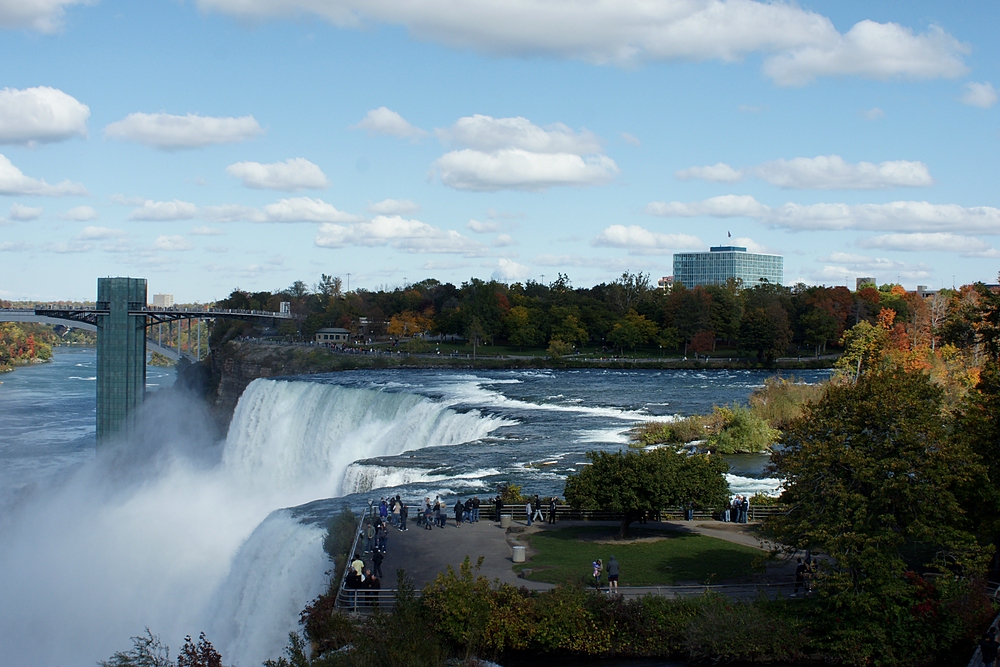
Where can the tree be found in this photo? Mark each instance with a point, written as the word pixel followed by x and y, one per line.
pixel 475 334
pixel 632 330
pixel 202 654
pixel 703 341
pixel 146 651
pixel 819 327
pixel 633 483
pixel 570 330
pixel 764 331
pixel 520 329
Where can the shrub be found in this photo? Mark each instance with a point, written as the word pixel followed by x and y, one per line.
pixel 687 429
pixel 731 631
pixel 780 401
pixel 742 431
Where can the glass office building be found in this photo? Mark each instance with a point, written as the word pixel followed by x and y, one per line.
pixel 724 262
pixel 121 353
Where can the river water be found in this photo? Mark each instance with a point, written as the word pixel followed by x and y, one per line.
pixel 182 533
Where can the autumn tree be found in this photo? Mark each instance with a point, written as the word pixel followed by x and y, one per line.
pixel 631 331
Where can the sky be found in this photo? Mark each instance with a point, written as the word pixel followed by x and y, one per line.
pixel 212 144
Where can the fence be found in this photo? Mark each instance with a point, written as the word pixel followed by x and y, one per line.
pixel 566 513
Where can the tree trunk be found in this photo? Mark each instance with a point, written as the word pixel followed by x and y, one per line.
pixel 627 519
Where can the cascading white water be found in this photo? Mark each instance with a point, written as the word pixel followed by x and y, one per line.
pixel 182 545
pixel 304 435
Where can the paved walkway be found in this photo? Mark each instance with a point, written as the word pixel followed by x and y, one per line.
pixel 425 553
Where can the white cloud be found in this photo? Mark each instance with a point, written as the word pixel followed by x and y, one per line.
pixel 486 227
pixel 80 214
pixel 206 231
pixel 752 246
pixel 400 233
pixel 91 233
pixel 164 210
pixel 394 207
pixel 170 132
pixel 504 240
pixel 14 182
pixel 640 241
pixel 508 270
pixel 873 114
pixel 172 243
pixel 606 263
pixel 905 216
pixel 22 212
pixel 516 169
pixel 40 15
pixel 724 206
pixel 798 45
pixel 12 246
pixel 967 246
pixel 875 51
pixel 630 139
pixel 852 264
pixel 823 172
pixel 291 175
pixel 485 133
pixel 40 115
pixel 295 209
pixel 981 95
pixel 71 247
pixel 387 122
pixel 516 154
pixel 717 173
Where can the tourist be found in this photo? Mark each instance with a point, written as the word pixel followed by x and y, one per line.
pixel 381 536
pixel 357 564
pixel 475 509
pixel 800 576
pixel 377 559
pixel 527 511
pixel 744 509
pixel 598 567
pixel 498 507
pixel 370 534
pixel 538 516
pixel 612 575
pixel 459 510
pixel 397 508
pixel 989 647
pixel 467 514
pixel 427 516
pixel 552 509
pixel 439 513
pixel 404 511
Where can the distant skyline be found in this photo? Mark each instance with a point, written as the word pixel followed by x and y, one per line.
pixel 212 144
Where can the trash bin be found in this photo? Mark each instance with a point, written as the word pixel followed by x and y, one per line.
pixel 689 515
pixel 506 520
pixel 518 556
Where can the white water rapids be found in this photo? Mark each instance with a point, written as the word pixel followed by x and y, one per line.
pixel 180 541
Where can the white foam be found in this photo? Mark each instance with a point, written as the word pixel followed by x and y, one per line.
pixel 752 485
pixel 362 478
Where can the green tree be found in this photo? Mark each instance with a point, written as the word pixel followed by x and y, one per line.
pixel 475 334
pixel 819 327
pixel 570 330
pixel 633 483
pixel 521 331
pixel 146 651
pixel 632 330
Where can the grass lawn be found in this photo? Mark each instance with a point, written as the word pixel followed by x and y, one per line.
pixel 566 554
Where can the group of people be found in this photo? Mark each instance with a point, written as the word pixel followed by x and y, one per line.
pixel 389 513
pixel 737 511
pixel 598 568
pixel 436 514
pixel 533 509
pixel 805 571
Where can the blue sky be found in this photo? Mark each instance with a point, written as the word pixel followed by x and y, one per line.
pixel 211 144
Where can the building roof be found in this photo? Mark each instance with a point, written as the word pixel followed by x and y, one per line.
pixel 332 330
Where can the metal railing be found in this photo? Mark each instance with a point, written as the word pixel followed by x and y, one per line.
pixel 566 513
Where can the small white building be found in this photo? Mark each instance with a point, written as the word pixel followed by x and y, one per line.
pixel 163 300
pixel 332 335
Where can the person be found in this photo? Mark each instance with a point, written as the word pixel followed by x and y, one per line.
pixel 552 509
pixel 404 511
pixel 427 516
pixel 989 647
pixel 744 509
pixel 800 576
pixel 459 511
pixel 538 516
pixel 598 567
pixel 527 511
pixel 467 513
pixel 370 534
pixel 498 506
pixel 612 574
pixel 475 509
pixel 381 537
pixel 397 509
pixel 441 513
pixel 357 564
pixel 377 559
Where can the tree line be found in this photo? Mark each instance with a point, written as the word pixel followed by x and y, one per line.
pixel 628 314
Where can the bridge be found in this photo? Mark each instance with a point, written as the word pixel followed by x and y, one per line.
pixel 121 318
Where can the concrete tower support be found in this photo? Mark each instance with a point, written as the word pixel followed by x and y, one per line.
pixel 121 354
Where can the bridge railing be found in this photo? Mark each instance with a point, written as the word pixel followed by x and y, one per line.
pixel 566 513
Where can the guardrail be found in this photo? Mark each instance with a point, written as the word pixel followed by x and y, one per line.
pixel 566 513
